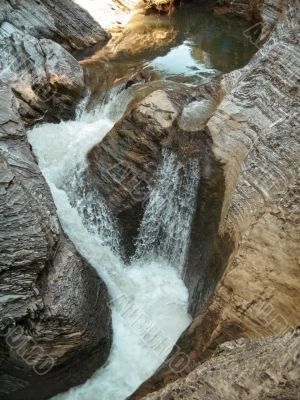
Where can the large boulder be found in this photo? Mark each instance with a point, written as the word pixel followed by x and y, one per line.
pixel 55 324
pixel 124 164
pixel 46 79
pixel 35 40
pixel 62 21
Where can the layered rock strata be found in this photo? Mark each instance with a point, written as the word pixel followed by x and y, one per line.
pixel 267 368
pixel 123 166
pixel 255 136
pixel 55 323
pixel 35 38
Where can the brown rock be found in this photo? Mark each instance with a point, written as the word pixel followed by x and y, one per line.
pixel 254 133
pixel 123 166
pixel 262 369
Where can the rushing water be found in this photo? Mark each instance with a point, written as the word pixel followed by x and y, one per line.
pixel 149 299
pixel 172 200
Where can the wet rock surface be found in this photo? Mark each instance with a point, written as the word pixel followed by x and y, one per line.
pixel 254 133
pixel 55 323
pixel 123 166
pixel 46 324
pixel 246 219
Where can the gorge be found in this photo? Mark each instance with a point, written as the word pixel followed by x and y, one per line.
pixel 149 200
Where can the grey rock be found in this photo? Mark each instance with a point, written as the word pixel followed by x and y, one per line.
pixel 47 80
pixel 53 307
pixel 55 323
pixel 35 38
pixel 62 21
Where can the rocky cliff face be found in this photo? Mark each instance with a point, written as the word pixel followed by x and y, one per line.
pixel 254 132
pixel 55 324
pixel 46 325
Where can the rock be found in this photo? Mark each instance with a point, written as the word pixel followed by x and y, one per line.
pixel 162 6
pixel 34 39
pixel 62 21
pixel 250 10
pixel 259 369
pixel 158 108
pixel 52 335
pixel 255 138
pixel 196 114
pixel 138 77
pixel 47 80
pixel 123 166
pixel 264 15
pixel 167 6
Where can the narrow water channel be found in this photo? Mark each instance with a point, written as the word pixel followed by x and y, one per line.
pixel 148 297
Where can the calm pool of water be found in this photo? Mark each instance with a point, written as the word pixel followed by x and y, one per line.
pixel 191 45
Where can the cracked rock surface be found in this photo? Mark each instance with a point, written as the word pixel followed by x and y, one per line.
pixel 255 134
pixel 53 307
pixel 55 322
pixel 36 39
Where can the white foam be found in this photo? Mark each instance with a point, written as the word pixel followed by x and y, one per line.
pixel 149 299
pixel 167 219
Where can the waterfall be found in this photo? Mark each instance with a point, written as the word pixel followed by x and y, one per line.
pixel 165 229
pixel 148 297
pixel 92 209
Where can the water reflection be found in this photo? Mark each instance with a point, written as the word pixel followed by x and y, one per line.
pixel 191 44
pixel 184 61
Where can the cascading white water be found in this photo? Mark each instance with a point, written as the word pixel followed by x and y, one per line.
pixel 149 299
pixel 165 228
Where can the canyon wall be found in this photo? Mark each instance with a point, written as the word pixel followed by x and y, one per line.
pixel 55 323
pixel 255 137
pixel 245 137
